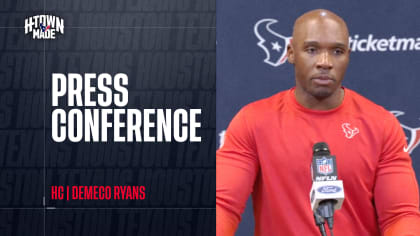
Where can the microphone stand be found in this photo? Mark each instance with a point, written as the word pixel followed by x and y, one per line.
pixel 319 221
pixel 326 211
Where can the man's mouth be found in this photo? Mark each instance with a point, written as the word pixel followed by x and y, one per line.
pixel 323 79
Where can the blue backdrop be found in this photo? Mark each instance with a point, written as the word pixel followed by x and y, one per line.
pixel 384 63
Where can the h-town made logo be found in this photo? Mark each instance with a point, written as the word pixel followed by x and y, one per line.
pixel 44 26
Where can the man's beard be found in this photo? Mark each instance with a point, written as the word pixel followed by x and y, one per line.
pixel 321 93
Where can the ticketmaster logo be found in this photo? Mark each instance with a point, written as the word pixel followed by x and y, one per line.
pixel 393 43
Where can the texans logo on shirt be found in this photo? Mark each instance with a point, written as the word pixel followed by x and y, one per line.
pixel 413 137
pixel 348 131
pixel 273 43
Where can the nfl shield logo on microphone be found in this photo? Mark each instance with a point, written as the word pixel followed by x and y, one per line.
pixel 325 166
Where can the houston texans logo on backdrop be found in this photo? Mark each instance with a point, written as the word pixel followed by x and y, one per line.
pixel 222 138
pixel 273 44
pixel 414 134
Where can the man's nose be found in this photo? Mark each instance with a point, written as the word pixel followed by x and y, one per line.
pixel 324 61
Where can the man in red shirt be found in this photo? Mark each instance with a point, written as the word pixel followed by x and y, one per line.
pixel 268 148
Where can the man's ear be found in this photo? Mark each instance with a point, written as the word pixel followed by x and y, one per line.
pixel 290 53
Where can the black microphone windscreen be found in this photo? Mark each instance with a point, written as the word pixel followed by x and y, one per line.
pixel 320 149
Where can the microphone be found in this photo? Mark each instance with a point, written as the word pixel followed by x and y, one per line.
pixel 327 192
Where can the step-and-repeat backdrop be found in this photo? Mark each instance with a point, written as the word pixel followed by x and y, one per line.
pixel 252 37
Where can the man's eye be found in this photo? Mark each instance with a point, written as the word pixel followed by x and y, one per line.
pixel 338 51
pixel 311 50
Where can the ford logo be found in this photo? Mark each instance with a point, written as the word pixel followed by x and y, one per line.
pixel 329 189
